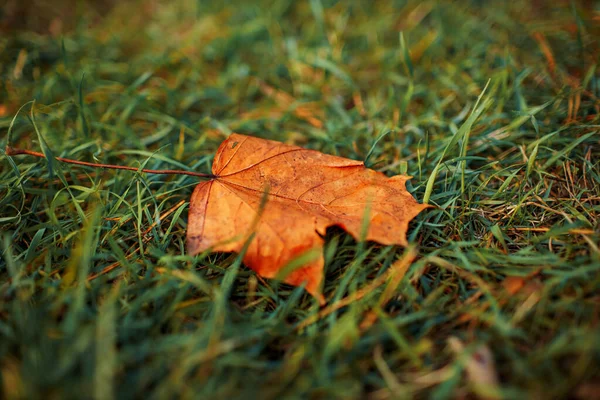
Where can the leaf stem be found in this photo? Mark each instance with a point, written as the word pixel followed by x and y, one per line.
pixel 11 151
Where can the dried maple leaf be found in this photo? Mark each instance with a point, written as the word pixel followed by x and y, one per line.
pixel 306 191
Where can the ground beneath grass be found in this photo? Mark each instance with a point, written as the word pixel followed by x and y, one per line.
pixel 492 107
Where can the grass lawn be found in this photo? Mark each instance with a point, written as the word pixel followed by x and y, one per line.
pixel 492 106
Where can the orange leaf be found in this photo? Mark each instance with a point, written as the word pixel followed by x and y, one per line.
pixel 306 191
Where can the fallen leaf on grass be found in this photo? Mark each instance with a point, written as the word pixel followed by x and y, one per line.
pixel 287 196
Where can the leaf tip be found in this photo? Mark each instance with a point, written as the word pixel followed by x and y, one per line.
pixel 320 298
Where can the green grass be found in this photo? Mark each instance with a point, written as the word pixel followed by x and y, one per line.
pixel 98 297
